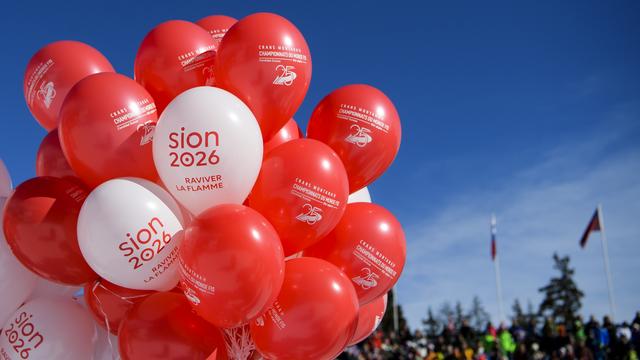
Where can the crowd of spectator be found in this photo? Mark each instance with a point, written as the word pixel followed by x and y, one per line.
pixel 592 340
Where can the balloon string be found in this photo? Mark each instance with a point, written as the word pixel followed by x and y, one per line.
pixel 125 298
pixel 238 342
pixel 106 319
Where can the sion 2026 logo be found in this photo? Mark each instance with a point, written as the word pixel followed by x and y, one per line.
pixel 188 145
pixel 23 336
pixel 148 242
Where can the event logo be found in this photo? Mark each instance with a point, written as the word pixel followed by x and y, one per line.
pixel 209 77
pixel 310 214
pixel 133 113
pixel 193 60
pixel 148 242
pixel 186 145
pixel 46 93
pixel 147 130
pixel 192 296
pixel 367 279
pixel 285 75
pixel 359 136
pixel 22 335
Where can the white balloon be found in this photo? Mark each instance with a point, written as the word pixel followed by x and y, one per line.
pixel 361 195
pixel 207 147
pixel 5 180
pixel 127 233
pixel 16 282
pixel 48 329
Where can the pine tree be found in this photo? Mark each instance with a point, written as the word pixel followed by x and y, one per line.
pixel 518 314
pixel 446 313
pixel 561 296
pixel 431 324
pixel 459 315
pixel 531 316
pixel 387 319
pixel 478 316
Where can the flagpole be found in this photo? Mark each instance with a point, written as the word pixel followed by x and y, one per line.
pixel 499 288
pixel 605 255
pixel 496 264
pixel 395 310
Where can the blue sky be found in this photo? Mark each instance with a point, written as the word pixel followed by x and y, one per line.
pixel 527 109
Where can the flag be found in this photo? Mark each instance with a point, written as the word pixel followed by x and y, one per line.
pixel 594 225
pixel 493 247
pixel 494 250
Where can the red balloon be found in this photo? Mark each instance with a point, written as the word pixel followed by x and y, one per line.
pixel 109 303
pixel 53 71
pixel 40 221
pixel 369 317
pixel 217 26
pixel 175 56
pixel 50 160
pixel 106 128
pixel 163 326
pixel 362 126
pixel 368 245
pixel 232 264
pixel 314 316
pixel 264 60
pixel 302 189
pixel 290 131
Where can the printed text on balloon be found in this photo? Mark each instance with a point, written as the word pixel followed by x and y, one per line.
pixel 142 238
pixel 21 332
pixel 193 140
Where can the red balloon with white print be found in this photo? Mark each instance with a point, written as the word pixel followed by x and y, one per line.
pixel 362 126
pixel 302 189
pixel 314 316
pixel 163 326
pixel 264 60
pixel 290 131
pixel 369 317
pixel 231 264
pixel 174 56
pixel 53 71
pixel 40 220
pixel 106 128
pixel 368 245
pixel 217 26
pixel 50 160
pixel 109 303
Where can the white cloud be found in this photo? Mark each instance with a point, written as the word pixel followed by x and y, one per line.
pixel 540 210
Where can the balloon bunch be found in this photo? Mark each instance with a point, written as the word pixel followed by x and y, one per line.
pixel 188 204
